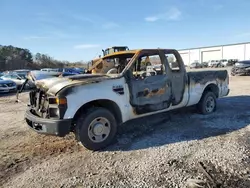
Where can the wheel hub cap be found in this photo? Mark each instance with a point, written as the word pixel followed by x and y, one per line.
pixel 210 104
pixel 99 129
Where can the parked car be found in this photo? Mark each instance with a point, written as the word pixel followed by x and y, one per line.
pixel 7 86
pixel 204 64
pixel 80 70
pixel 50 69
pixel 195 65
pixel 242 68
pixel 69 71
pixel 22 71
pixel 213 63
pixel 92 106
pixel 220 64
pixel 232 62
pixel 18 79
pixel 223 62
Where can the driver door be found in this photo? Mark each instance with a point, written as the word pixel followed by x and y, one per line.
pixel 149 91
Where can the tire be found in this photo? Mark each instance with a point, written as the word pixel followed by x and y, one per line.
pixel 96 128
pixel 203 104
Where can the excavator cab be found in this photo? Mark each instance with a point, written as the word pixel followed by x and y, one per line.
pixel 114 49
pixel 100 65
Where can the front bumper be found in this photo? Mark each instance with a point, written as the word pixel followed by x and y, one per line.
pixel 57 127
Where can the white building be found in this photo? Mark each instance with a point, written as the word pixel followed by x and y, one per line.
pixel 240 51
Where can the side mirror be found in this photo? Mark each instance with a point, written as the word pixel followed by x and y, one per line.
pixel 19 78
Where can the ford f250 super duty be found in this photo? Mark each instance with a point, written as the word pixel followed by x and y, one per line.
pixel 138 83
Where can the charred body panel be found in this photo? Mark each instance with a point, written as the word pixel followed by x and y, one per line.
pixel 60 88
pixel 203 77
pixel 179 85
pixel 67 83
pixel 150 95
pixel 216 81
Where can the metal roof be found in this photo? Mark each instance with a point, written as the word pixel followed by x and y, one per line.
pixel 214 46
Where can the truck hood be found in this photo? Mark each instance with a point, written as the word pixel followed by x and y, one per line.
pixel 53 85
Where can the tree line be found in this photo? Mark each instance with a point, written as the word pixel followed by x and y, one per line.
pixel 12 58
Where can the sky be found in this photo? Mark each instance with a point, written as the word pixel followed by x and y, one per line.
pixel 78 30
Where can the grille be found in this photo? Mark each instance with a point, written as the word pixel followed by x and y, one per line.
pixel 39 102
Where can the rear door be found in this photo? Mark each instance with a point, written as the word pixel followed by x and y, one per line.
pixel 178 74
pixel 149 91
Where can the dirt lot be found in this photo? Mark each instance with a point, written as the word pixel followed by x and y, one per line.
pixel 159 151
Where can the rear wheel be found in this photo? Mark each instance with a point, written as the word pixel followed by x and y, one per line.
pixel 96 128
pixel 208 103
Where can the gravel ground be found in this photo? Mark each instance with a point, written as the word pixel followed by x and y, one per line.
pixel 163 150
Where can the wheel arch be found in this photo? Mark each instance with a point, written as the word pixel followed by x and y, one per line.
pixel 105 103
pixel 213 88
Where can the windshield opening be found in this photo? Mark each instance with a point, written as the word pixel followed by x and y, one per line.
pixel 114 64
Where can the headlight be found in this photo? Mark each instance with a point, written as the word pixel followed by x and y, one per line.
pixel 58 101
pixel 57 106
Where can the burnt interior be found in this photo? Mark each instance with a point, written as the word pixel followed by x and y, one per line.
pixel 116 62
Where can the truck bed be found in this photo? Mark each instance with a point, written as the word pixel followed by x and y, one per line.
pixel 204 77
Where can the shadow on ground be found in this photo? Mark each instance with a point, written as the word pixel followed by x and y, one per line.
pixel 233 113
pixel 12 93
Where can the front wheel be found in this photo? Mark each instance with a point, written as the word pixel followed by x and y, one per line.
pixel 96 128
pixel 208 103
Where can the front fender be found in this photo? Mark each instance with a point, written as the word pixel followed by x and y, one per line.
pixel 78 96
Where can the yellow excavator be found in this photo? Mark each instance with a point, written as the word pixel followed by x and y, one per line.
pixel 98 65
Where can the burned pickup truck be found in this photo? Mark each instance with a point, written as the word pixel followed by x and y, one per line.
pixel 93 105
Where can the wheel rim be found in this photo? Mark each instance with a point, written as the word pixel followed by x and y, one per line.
pixel 99 129
pixel 210 104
